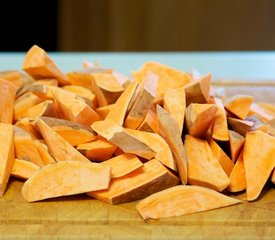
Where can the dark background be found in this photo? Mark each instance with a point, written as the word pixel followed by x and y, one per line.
pixel 138 25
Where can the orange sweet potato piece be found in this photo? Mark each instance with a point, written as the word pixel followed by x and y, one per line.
pixel 123 164
pixel 97 150
pixel 204 168
pixel 175 104
pixel 43 150
pixel 46 81
pixel 236 142
pixel 198 91
pixel 220 127
pixel 28 125
pixel 59 148
pixel 39 65
pixel 226 163
pixel 150 178
pixel 239 105
pixel 74 108
pixel 7 98
pixel 262 113
pixel 237 176
pixel 259 162
pixel 169 130
pixel 158 144
pixel 46 108
pixel 6 155
pixel 119 136
pixel 199 118
pixel 240 126
pixel 259 124
pixel 104 111
pixel 150 122
pixel 182 200
pixel 66 178
pixel 23 169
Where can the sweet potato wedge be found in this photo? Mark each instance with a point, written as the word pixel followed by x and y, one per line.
pixel 204 168
pixel 262 113
pixel 7 99
pixel 43 150
pixel 98 150
pixel 59 148
pixel 123 164
pixel 258 124
pixel 239 105
pixel 150 122
pixel 259 162
pixel 46 108
pixel 119 136
pixel 169 130
pixel 28 125
pixel 150 178
pixel 23 169
pixel 199 118
pixel 39 65
pixel 240 126
pixel 175 104
pixel 182 200
pixel 237 176
pixel 66 178
pixel 236 142
pixel 104 111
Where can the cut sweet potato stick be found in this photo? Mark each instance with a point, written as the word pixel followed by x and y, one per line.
pixel 28 125
pixel 7 98
pixel 259 162
pixel 169 130
pixel 237 176
pixel 138 110
pixel 182 200
pixel 39 65
pixel 44 91
pixel 226 163
pixel 47 81
pixel 263 114
pixel 118 135
pixel 44 152
pixel 158 144
pixel 204 168
pixel 199 117
pixel 150 122
pixel 123 164
pixel 74 109
pixel 25 147
pixel 98 150
pixel 83 92
pixel 198 91
pixel 240 126
pixel 220 128
pixel 119 110
pixel 66 178
pixel 6 155
pixel 59 148
pixel 46 108
pixel 168 76
pixel 150 178
pixel 104 111
pixel 23 169
pixel 236 142
pixel 239 105
pixel 174 103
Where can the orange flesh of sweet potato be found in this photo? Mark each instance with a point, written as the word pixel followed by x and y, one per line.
pixel 23 169
pixel 7 98
pixel 150 122
pixel 170 132
pixel 259 162
pixel 66 178
pixel 150 178
pixel 199 117
pixel 104 111
pixel 6 155
pixel 240 126
pixel 237 176
pixel 226 163
pixel 175 104
pixel 59 148
pixel 123 164
pixel 236 142
pixel 159 145
pixel 262 113
pixel 204 168
pixel 118 135
pixel 28 125
pixel 239 105
pixel 44 152
pixel 220 127
pixel 182 200
pixel 97 150
pixel 39 65
pixel 46 108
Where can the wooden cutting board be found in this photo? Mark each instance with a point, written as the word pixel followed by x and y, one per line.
pixel 80 217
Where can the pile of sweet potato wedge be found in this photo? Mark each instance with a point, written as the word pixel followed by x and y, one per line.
pixel 161 136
